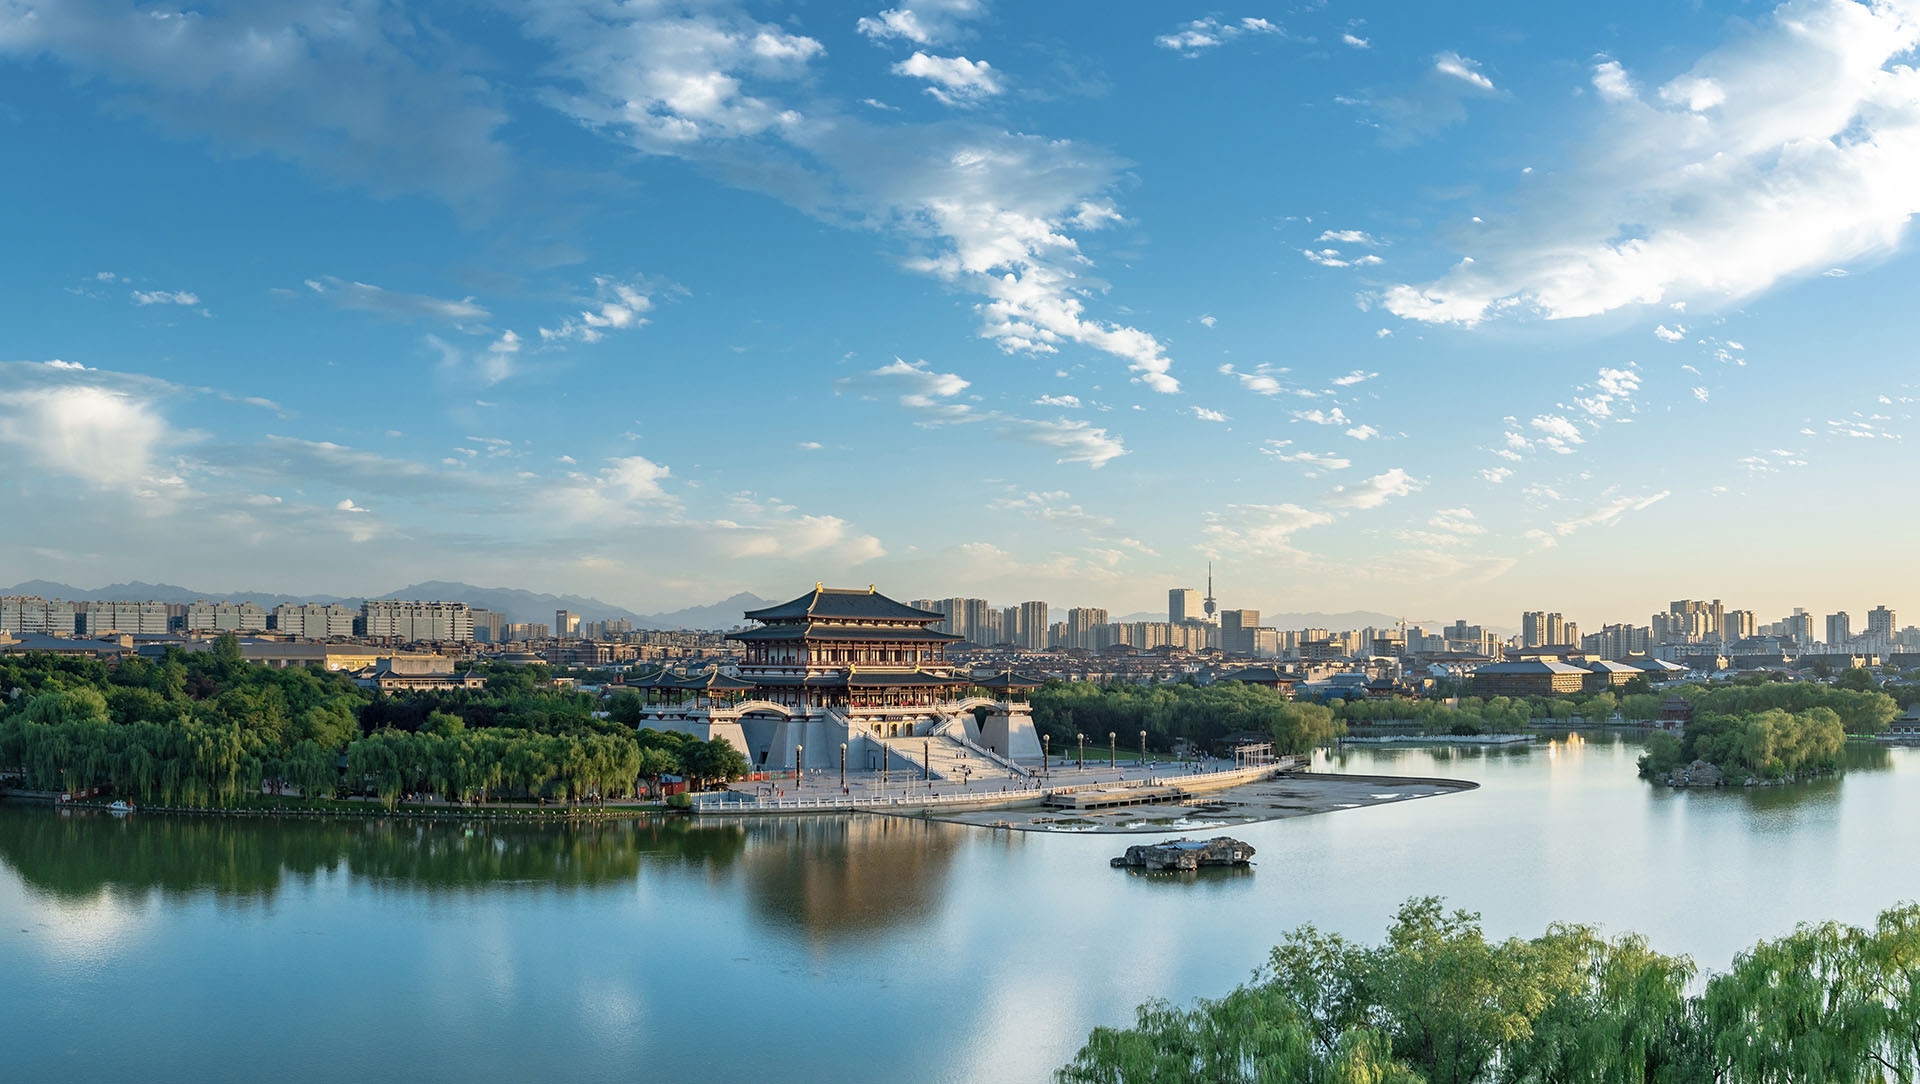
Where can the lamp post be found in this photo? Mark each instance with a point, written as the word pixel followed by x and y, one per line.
pixel 843 763
pixel 1046 754
pixel 1113 751
pixel 926 753
pixel 1082 761
pixel 1143 748
pixel 799 766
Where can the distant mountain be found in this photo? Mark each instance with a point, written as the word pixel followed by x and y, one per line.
pixel 724 614
pixel 139 591
pixel 516 604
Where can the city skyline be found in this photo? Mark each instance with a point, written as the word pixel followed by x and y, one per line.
pixel 1449 314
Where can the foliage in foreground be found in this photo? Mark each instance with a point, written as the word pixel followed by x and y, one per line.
pixel 1438 1003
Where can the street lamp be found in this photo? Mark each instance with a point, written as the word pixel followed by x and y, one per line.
pixel 926 752
pixel 1046 754
pixel 1113 751
pixel 1143 747
pixel 799 766
pixel 1083 751
pixel 843 764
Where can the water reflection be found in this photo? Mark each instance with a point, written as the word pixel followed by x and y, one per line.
pixel 74 857
pixel 833 878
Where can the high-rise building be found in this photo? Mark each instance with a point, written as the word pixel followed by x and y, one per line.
pixel 206 616
pixel 31 613
pixel 1236 630
pixel 566 625
pixel 1880 626
pixel 489 627
pixel 1799 628
pixel 1033 626
pixel 1839 630
pixel 131 618
pixel 1741 625
pixel 1183 605
pixel 311 621
pixel 1086 628
pixel 1538 628
pixel 1618 641
pixel 393 618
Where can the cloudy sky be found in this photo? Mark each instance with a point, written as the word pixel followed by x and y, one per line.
pixel 1444 310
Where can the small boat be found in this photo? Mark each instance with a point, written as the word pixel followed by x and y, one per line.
pixel 120 806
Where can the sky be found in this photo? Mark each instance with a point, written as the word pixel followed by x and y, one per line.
pixel 1435 310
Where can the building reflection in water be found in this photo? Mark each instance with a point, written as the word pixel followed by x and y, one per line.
pixel 833 878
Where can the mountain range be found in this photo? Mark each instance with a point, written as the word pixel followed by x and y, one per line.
pixel 516 604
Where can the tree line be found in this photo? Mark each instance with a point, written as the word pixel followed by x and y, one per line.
pixel 208 728
pixel 1774 744
pixel 1200 715
pixel 1439 1003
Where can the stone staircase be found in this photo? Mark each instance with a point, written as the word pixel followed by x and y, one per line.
pixel 951 758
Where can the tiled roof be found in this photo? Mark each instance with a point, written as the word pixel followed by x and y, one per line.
pixel 840 604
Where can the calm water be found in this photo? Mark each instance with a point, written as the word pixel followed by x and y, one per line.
pixel 151 948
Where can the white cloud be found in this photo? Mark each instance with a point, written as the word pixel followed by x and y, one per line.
pixel 809 445
pixel 1208 321
pixel 1608 512
pixel 924 22
pixel 165 297
pixel 635 479
pixel 1071 402
pixel 1349 237
pixel 98 433
pixel 617 306
pixel 1211 33
pixel 932 395
pixel 1075 441
pixel 1363 432
pixel 1784 152
pixel 1357 376
pixel 364 297
pixel 1612 386
pixel 1496 475
pixel 1669 334
pixel 1374 491
pixel 1263 380
pixel 359 91
pixel 1259 530
pixel 1457 521
pixel 955 80
pixel 1053 506
pixel 1320 461
pixel 1701 394
pixel 1323 417
pixel 1355 42
pixel 1465 69
pixel 1206 415
pixel 992 212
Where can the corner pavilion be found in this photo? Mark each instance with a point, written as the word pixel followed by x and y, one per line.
pixel 855 667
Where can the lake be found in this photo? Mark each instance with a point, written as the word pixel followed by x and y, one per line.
pixel 863 949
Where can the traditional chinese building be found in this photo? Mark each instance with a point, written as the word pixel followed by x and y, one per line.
pixel 852 672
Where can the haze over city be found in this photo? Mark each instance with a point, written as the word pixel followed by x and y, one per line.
pixel 1437 312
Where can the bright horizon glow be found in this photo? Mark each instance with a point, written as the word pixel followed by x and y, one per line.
pixel 1442 313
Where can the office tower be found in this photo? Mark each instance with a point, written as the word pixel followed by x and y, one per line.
pixel 1880 626
pixel 1183 605
pixel 1741 625
pixel 566 625
pixel 1839 630
pixel 1236 630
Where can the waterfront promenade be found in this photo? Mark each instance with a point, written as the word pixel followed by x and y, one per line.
pixel 821 790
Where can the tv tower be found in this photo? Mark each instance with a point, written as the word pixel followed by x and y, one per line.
pixel 1207 607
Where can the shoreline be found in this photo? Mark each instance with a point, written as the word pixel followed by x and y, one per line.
pixel 415 812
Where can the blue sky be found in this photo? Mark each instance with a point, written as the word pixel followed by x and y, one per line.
pixel 1437 312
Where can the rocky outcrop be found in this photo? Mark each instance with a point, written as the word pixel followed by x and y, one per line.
pixel 1178 854
pixel 1698 774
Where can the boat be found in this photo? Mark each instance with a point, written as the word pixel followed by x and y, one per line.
pixel 119 806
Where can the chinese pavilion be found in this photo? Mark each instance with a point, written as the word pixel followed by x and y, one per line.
pixel 852 668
